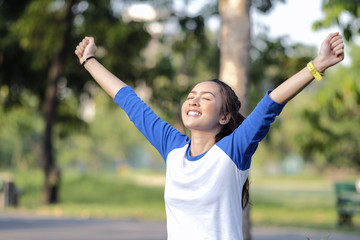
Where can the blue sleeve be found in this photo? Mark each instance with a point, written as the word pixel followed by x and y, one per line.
pixel 243 142
pixel 159 133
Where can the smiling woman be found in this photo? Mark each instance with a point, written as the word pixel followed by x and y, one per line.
pixel 206 184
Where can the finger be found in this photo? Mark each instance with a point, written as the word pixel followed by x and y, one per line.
pixel 82 44
pixel 336 39
pixel 338 46
pixel 82 47
pixel 79 49
pixel 339 53
pixel 89 39
pixel 331 36
pixel 78 54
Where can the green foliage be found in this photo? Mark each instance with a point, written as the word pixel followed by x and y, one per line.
pixel 110 141
pixel 322 123
pixel 31 37
pixel 30 33
pixel 331 133
pixel 20 132
pixel 274 61
pixel 342 13
pixel 15 72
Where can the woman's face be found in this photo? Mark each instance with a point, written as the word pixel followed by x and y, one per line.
pixel 202 108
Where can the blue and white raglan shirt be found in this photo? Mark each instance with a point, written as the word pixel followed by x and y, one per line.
pixel 202 193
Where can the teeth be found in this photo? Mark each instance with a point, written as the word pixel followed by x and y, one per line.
pixel 193 113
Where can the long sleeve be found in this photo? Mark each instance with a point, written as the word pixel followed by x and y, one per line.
pixel 159 133
pixel 243 142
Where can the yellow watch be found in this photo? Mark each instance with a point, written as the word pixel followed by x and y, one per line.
pixel 317 75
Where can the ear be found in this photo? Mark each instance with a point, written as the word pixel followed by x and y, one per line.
pixel 224 119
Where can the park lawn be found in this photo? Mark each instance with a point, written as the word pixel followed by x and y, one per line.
pixel 287 201
pixel 93 195
pixel 296 201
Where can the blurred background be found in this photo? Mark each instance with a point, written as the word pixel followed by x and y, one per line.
pixel 70 151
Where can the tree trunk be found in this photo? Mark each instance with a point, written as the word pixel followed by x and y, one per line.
pixel 235 47
pixel 235 61
pixel 51 183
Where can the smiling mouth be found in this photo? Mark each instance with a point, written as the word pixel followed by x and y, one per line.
pixel 193 113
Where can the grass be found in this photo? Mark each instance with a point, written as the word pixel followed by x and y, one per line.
pixel 296 202
pixel 93 195
pixel 284 201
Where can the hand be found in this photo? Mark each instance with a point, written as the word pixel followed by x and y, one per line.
pixel 85 49
pixel 331 52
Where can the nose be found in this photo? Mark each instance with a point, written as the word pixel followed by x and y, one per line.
pixel 194 102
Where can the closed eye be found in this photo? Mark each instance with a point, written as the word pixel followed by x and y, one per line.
pixel 207 97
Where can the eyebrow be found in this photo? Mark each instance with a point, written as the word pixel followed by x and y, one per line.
pixel 203 92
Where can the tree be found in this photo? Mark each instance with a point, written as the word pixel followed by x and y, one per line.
pixel 330 133
pixel 47 61
pixel 342 13
pixel 186 57
pixel 56 70
pixel 235 61
pixel 235 47
pixel 235 56
pixel 271 55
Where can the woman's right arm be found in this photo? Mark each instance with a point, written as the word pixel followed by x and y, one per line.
pixel 160 134
pixel 108 81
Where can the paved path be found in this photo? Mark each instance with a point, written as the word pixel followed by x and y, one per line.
pixel 30 227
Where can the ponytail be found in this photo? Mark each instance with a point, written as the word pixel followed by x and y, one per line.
pixel 232 106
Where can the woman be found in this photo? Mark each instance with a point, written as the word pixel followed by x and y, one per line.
pixel 205 174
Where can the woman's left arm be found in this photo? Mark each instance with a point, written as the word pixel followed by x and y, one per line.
pixel 331 52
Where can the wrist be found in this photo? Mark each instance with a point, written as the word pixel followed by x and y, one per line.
pixel 87 59
pixel 314 71
pixel 319 64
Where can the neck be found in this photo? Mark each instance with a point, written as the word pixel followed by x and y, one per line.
pixel 201 142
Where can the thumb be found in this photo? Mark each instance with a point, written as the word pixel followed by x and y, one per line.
pixel 89 40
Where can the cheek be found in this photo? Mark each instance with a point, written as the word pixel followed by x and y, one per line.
pixel 214 109
pixel 182 110
pixel 220 109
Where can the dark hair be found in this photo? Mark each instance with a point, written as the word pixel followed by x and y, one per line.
pixel 231 105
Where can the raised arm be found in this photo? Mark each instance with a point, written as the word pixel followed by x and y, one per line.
pixel 331 52
pixel 108 81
